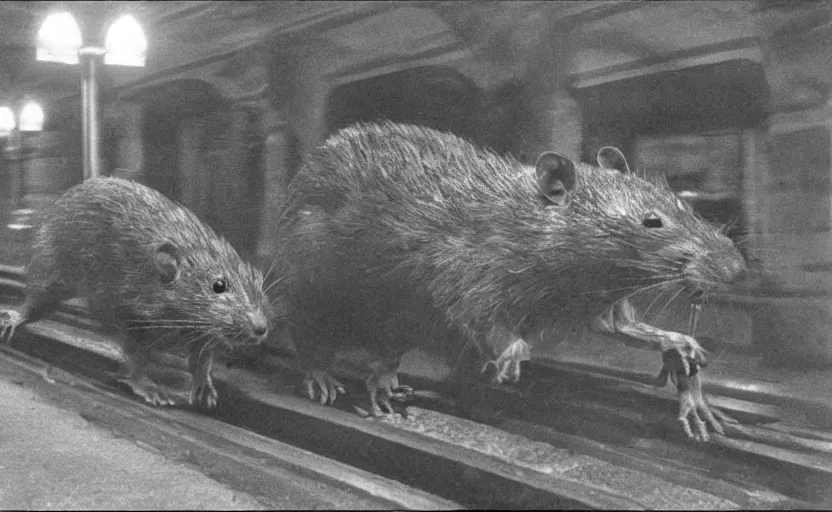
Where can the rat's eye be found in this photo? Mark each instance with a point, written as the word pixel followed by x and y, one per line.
pixel 220 285
pixel 652 221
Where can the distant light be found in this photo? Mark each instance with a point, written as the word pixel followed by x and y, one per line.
pixel 59 39
pixel 7 122
pixel 31 118
pixel 125 43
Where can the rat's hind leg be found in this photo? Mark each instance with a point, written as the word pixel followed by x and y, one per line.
pixel 383 384
pixel 318 377
pixel 45 289
pixel 314 359
pixel 137 356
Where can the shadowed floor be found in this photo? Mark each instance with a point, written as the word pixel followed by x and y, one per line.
pixel 53 459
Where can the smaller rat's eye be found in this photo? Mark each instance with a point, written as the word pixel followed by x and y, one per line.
pixel 220 285
pixel 652 221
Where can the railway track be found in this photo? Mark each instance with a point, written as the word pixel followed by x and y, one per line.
pixel 571 437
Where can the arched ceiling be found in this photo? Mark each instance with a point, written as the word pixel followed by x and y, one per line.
pixel 600 34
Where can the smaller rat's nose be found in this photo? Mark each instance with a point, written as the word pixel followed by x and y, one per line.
pixel 259 324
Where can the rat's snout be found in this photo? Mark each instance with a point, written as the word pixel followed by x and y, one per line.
pixel 715 270
pixel 737 271
pixel 730 266
pixel 259 325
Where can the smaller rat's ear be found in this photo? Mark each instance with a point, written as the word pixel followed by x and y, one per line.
pixel 555 177
pixel 612 158
pixel 168 259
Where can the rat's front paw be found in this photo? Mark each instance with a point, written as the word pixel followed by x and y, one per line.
pixel 328 386
pixel 690 352
pixel 507 364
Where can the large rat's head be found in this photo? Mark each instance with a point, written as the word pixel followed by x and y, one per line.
pixel 208 290
pixel 636 226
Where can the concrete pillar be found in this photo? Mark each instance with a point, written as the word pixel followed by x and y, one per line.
pixel 130 151
pixel 194 186
pixel 292 123
pixel 553 120
pixel 307 98
pixel 560 114
pixel 258 83
pixel 274 182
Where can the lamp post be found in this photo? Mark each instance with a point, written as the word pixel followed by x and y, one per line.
pixel 60 40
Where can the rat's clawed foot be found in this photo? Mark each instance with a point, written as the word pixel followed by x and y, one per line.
pixel 203 394
pixel 152 393
pixel 384 385
pixel 692 403
pixel 9 321
pixel 328 385
pixel 507 364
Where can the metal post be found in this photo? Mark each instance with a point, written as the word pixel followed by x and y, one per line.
pixel 89 105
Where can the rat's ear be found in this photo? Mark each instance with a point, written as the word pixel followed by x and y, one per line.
pixel 612 158
pixel 168 259
pixel 555 177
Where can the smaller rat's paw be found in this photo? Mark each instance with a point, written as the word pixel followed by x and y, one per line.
pixel 152 393
pixel 9 321
pixel 204 395
pixel 328 385
pixel 507 365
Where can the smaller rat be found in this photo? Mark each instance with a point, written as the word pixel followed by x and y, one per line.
pixel 152 273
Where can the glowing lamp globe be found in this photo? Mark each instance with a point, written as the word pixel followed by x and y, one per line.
pixel 31 118
pixel 59 39
pixel 125 44
pixel 7 122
